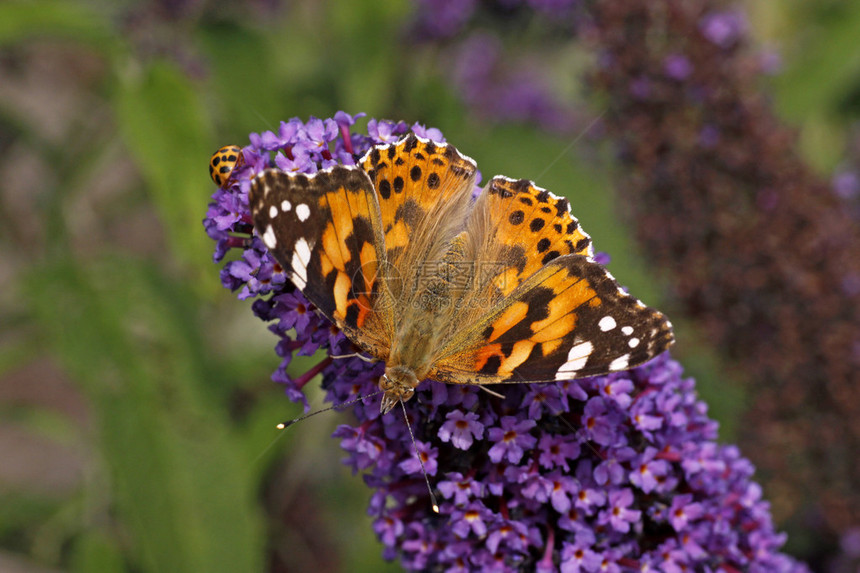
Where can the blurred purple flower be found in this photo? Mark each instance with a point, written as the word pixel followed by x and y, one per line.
pixel 724 28
pixel 677 66
pixel 846 184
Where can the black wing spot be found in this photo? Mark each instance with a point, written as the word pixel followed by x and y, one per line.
pixel 543 245
pixel 496 189
pixel 433 180
pixel 385 188
pixel 550 256
pixel 351 317
pixel 492 365
pixel 521 185
pixel 410 143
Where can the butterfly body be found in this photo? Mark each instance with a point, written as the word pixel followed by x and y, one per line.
pixel 417 274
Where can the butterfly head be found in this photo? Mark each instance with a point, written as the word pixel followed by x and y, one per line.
pixel 398 384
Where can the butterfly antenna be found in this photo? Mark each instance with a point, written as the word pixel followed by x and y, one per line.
pixel 571 144
pixel 288 423
pixel 420 461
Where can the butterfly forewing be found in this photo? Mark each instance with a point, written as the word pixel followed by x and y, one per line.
pixel 325 230
pixel 568 320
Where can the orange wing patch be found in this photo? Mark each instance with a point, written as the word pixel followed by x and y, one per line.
pixel 413 179
pixel 532 228
pixel 325 230
pixel 347 256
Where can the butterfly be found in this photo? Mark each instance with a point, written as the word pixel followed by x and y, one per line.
pixel 502 288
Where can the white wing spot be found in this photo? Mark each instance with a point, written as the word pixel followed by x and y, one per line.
pixel 273 212
pixel 286 205
pixel 303 212
pixel 633 342
pixel 298 281
pixel 577 356
pixel 301 258
pixel 269 237
pixel 619 363
pixel 627 330
pixel 607 323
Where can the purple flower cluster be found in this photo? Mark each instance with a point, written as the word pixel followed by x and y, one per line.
pixel 763 255
pixel 719 196
pixel 498 88
pixel 610 474
pixel 496 81
pixel 848 558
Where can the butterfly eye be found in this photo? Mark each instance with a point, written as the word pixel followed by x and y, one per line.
pixel 385 383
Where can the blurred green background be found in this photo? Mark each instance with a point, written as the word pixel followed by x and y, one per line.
pixel 136 412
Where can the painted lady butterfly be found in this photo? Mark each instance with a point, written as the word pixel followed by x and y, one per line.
pixel 417 274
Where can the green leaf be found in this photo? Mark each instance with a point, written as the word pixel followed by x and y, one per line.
pixel 27 20
pixel 824 67
pixel 162 123
pixel 242 73
pixel 365 38
pixel 181 483
pixel 93 551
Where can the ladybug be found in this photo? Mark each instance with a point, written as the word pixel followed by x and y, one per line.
pixel 223 162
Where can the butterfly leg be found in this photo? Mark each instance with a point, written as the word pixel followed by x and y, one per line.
pixel 491 392
pixel 368 359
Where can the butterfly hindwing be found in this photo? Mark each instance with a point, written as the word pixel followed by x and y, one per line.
pixel 526 227
pixel 514 229
pixel 325 230
pixel 424 189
